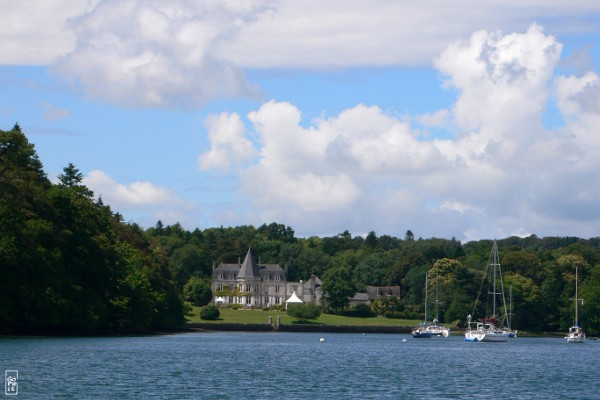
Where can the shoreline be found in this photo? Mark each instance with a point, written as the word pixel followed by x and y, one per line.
pixel 236 327
pixel 315 328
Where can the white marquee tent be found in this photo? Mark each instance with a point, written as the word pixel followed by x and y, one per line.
pixel 293 300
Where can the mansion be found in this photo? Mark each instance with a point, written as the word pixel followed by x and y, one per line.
pixel 260 285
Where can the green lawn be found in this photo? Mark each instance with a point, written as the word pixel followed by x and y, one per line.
pixel 243 316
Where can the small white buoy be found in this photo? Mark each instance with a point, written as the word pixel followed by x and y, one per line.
pixel 322 340
pixel 404 340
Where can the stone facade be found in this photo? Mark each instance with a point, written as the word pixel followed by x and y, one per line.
pixel 260 285
pixel 375 292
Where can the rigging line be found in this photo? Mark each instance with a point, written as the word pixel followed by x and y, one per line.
pixel 481 286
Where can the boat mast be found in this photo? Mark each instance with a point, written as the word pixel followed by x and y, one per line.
pixel 437 292
pixel 576 295
pixel 426 273
pixel 511 313
pixel 495 262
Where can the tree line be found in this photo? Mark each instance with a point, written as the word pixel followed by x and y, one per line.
pixel 70 263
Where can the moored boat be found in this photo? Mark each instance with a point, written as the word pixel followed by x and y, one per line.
pixel 421 331
pixel 487 329
pixel 576 334
pixel 435 328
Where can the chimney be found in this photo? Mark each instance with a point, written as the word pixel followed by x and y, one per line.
pixel 239 261
pixel 213 267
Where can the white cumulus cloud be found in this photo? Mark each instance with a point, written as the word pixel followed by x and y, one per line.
pixel 229 145
pixel 502 173
pixel 131 198
pixel 147 53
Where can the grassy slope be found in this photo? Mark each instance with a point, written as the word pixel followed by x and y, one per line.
pixel 262 317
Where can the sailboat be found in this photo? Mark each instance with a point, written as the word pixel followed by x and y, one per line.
pixel 486 329
pixel 421 330
pixel 576 334
pixel 435 328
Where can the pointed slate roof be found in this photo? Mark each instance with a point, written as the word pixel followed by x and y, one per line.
pixel 249 268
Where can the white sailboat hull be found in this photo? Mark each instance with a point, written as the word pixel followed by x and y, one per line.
pixel 438 330
pixel 475 336
pixel 495 337
pixel 576 335
pixel 487 332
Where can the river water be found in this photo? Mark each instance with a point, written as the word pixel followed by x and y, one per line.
pixel 217 365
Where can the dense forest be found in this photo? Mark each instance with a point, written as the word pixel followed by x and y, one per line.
pixel 71 264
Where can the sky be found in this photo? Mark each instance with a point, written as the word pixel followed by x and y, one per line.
pixel 466 119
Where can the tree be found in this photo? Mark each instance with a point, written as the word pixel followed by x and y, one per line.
pixel 369 271
pixel 304 312
pixel 210 313
pixel 185 261
pixel 590 312
pixel 409 235
pixel 526 302
pixel 67 263
pixel 371 240
pixel 524 263
pixel 197 291
pixel 72 178
pixel 338 287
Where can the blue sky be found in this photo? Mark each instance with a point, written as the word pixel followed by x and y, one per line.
pixel 471 121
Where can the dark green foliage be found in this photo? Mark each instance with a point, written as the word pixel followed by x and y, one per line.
pixel 360 311
pixel 210 313
pixel 197 291
pixel 304 312
pixel 338 287
pixel 68 264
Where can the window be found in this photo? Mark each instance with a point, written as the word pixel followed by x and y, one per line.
pixel 230 299
pixel 276 300
pixel 221 276
pixel 256 288
pixel 277 289
pixel 266 300
pixel 247 288
pixel 220 287
pixel 248 300
pixel 277 277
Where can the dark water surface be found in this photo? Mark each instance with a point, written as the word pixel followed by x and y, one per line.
pixel 299 366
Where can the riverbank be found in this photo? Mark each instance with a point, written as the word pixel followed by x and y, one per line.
pixel 319 328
